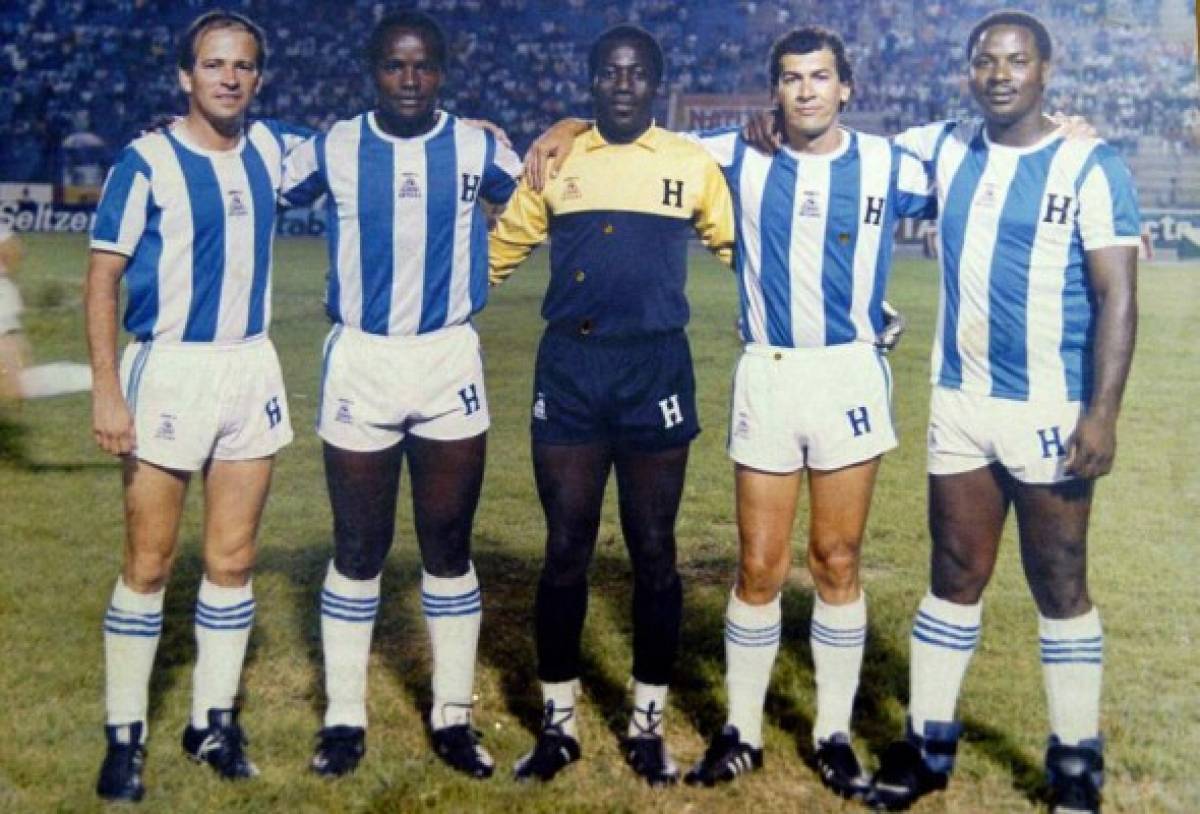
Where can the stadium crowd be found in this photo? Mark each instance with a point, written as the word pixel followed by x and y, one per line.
pixel 91 66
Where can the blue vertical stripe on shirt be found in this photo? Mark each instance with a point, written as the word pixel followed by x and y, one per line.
pixel 1008 276
pixel 262 193
pixel 441 203
pixel 841 237
pixel 208 244
pixel 952 237
pixel 777 214
pixel 376 207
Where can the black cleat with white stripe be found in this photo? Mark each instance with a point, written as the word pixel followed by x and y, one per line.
pixel 458 747
pixel 339 750
pixel 726 758
pixel 121 773
pixel 839 769
pixel 554 751
pixel 1076 775
pixel 221 745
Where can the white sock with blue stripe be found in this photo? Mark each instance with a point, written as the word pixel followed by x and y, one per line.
pixel 837 635
pixel 752 635
pixel 132 627
pixel 348 610
pixel 224 617
pixel 453 610
pixel 1073 663
pixel 944 637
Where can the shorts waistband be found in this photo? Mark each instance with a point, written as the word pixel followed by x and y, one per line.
pixel 570 331
pixel 846 349
pixel 262 340
pixel 406 340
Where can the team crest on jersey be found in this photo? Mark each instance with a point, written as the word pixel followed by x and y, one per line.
pixel 539 407
pixel 237 204
pixel 810 204
pixel 571 191
pixel 410 187
pixel 987 196
pixel 344 416
pixel 166 427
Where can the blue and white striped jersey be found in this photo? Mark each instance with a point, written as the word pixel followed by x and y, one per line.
pixel 197 227
pixel 407 233
pixel 1015 314
pixel 814 235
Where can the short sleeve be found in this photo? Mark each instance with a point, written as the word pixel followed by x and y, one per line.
pixel 122 211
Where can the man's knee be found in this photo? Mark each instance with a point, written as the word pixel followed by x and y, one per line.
pixel 761 575
pixel 147 571
pixel 357 559
pixel 834 562
pixel 566 563
pixel 232 567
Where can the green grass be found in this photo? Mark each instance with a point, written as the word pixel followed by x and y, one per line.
pixel 61 529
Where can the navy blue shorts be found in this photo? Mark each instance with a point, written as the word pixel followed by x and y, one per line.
pixel 637 393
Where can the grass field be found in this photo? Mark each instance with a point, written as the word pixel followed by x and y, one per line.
pixel 61 531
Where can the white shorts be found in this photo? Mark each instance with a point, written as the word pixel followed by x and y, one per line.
pixel 196 401
pixel 824 408
pixel 968 431
pixel 377 389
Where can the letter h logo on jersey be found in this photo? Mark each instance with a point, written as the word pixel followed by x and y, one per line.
pixel 1056 212
pixel 470 187
pixel 672 193
pixel 874 213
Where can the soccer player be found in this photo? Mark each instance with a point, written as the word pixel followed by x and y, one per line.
pixel 1038 240
pixel 402 375
pixel 187 218
pixel 614 386
pixel 811 391
pixel 19 379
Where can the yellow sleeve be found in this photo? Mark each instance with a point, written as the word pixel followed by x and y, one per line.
pixel 522 226
pixel 714 214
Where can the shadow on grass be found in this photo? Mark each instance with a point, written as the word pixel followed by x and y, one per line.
pixel 177 646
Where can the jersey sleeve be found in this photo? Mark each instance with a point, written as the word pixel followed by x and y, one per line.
pixel 925 141
pixel 124 202
pixel 714 214
pixel 290 136
pixel 501 173
pixel 720 143
pixel 914 193
pixel 523 225
pixel 304 176
pixel 1108 207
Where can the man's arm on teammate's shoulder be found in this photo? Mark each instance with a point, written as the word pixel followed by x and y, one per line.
pixel 303 178
pixel 1074 127
pixel 714 214
pixel 112 423
pixel 1113 275
pixel 491 127
pixel 764 131
pixel 523 225
pixel 547 154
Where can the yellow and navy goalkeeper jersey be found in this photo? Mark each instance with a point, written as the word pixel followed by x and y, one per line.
pixel 618 217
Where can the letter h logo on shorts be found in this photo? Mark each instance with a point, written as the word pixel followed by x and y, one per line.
pixel 672 412
pixel 860 420
pixel 1052 445
pixel 274 412
pixel 470 397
